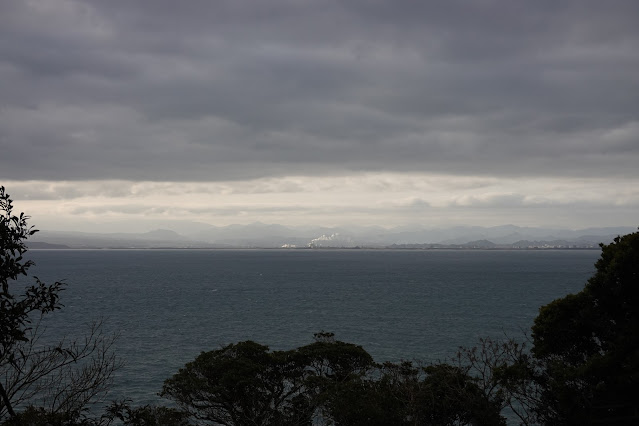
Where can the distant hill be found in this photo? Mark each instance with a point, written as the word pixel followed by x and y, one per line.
pixel 153 239
pixel 40 245
pixel 480 244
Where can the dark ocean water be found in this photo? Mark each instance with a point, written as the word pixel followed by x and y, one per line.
pixel 169 305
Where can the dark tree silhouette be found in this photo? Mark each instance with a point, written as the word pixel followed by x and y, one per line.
pixel 588 344
pixel 60 379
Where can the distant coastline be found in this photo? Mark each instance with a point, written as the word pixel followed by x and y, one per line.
pixel 46 246
pixel 263 236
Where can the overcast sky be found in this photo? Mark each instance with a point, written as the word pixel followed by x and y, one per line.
pixel 126 114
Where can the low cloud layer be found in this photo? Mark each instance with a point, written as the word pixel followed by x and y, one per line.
pixel 371 199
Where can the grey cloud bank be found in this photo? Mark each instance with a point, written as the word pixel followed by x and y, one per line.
pixel 224 91
pixel 211 90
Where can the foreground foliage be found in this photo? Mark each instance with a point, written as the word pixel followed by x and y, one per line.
pixel 587 344
pixel 326 382
pixel 62 379
pixel 245 383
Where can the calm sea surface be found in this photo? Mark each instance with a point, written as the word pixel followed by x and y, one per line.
pixel 169 305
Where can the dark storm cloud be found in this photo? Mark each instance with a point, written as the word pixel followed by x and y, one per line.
pixel 201 90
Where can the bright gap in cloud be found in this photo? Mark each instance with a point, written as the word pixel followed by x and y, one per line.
pixel 382 199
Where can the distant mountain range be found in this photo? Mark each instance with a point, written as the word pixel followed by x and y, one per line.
pixel 259 235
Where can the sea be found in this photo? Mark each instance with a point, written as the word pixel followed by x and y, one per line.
pixel 167 306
